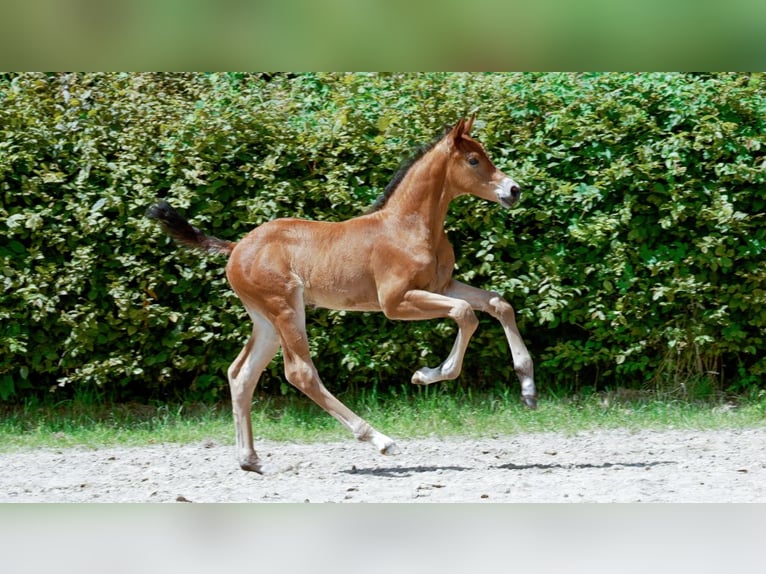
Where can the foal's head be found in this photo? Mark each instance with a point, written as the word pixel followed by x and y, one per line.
pixel 470 171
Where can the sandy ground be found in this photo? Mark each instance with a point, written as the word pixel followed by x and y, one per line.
pixel 594 466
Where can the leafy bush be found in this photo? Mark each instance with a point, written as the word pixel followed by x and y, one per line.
pixel 634 259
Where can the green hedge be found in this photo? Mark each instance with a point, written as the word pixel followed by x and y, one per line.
pixel 635 259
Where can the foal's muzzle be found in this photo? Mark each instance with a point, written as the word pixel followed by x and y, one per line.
pixel 508 192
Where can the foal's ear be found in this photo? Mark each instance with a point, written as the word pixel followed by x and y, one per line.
pixel 458 131
pixel 462 128
pixel 469 125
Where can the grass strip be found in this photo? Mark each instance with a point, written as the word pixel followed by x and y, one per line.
pixel 424 412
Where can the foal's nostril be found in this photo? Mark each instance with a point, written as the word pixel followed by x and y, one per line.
pixel 515 191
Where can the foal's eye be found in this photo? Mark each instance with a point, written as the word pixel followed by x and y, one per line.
pixel 473 160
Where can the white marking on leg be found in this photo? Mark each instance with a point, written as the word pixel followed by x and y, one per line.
pixel 243 375
pixel 501 310
pixel 466 320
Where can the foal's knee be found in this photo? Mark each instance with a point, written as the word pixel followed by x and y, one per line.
pixel 500 308
pixel 464 315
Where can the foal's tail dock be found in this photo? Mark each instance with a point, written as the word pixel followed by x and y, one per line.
pixel 174 224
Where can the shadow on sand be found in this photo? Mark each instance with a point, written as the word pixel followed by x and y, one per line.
pixel 406 471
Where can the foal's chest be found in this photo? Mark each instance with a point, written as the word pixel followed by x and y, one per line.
pixel 435 267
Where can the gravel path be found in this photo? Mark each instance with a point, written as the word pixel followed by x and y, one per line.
pixel 594 466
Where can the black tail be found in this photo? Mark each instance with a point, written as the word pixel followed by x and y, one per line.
pixel 183 232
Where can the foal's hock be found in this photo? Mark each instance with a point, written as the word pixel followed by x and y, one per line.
pixel 395 259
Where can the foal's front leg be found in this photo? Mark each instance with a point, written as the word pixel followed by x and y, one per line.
pixel 419 305
pixel 501 310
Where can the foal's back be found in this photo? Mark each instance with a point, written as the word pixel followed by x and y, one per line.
pixel 330 264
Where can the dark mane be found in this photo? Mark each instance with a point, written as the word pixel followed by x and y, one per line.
pixel 380 202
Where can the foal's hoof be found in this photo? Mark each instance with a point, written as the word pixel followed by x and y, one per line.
pixel 530 401
pixel 390 449
pixel 253 465
pixel 264 468
pixel 426 376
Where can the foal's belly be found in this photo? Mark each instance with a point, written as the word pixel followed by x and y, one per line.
pixel 355 295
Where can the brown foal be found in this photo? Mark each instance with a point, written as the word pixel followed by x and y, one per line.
pixel 395 259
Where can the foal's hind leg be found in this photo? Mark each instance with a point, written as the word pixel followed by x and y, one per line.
pixel 244 373
pixel 301 373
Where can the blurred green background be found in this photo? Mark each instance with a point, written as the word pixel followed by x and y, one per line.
pixel 382 34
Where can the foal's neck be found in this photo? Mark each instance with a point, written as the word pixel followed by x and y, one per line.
pixel 424 192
